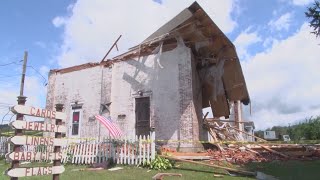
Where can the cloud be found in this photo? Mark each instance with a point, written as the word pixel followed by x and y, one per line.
pixel 282 80
pixel 302 2
pixel 282 23
pixel 244 40
pixel 59 21
pixel 34 90
pixel 92 26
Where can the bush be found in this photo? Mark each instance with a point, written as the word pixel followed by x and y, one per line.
pixel 159 163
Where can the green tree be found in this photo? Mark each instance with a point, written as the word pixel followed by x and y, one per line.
pixel 313 13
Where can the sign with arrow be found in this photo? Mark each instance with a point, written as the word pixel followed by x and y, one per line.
pixel 38 112
pixel 33 140
pixel 36 126
pixel 34 156
pixel 35 171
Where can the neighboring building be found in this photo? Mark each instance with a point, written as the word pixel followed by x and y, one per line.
pixel 249 128
pixel 162 84
pixel 269 135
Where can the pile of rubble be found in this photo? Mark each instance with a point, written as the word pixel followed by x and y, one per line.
pixel 238 154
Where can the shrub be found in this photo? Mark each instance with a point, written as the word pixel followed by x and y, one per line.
pixel 159 163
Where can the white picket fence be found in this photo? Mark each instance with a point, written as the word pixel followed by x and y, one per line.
pixel 121 151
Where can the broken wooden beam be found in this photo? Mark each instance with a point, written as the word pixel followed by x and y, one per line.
pixel 275 152
pixel 213 134
pixel 248 134
pixel 243 172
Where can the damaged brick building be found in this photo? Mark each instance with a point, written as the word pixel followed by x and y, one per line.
pixel 163 83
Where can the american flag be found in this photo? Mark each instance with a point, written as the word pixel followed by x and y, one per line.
pixel 114 130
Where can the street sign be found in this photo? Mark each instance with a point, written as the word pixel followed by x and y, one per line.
pixel 38 112
pixel 35 171
pixel 34 156
pixel 32 140
pixel 36 126
pixel 19 139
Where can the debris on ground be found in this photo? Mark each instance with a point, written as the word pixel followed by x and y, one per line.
pixel 160 176
pixel 239 154
pixel 263 176
pixel 115 169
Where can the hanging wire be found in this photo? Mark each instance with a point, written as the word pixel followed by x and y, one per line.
pixel 30 66
pixel 13 62
pixel 45 80
pixel 5 116
pixel 7 76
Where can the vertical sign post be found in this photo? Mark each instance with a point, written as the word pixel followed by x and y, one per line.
pixel 57 149
pixel 18 132
pixel 19 139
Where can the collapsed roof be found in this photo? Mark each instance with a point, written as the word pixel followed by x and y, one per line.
pixel 217 61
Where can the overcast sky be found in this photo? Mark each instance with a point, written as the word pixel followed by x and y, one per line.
pixel 280 58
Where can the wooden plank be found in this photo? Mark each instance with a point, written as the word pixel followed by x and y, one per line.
pixel 34 156
pixel 275 152
pixel 144 148
pixel 97 160
pixel 36 126
pixel 125 151
pixel 140 149
pixel 148 149
pixel 248 173
pixel 248 134
pixel 38 112
pixel 35 171
pixel 214 135
pixel 32 140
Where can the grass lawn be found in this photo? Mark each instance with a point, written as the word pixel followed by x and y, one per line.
pixel 188 171
pixel 306 170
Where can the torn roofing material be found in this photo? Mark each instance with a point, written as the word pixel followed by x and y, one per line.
pixel 222 79
pixel 212 49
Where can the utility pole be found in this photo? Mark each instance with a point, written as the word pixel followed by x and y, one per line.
pixel 24 67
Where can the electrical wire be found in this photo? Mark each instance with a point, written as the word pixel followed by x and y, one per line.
pixel 30 66
pixel 45 80
pixel 5 116
pixel 6 76
pixel 13 62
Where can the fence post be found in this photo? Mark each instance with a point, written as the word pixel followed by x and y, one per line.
pixel 59 108
pixel 153 144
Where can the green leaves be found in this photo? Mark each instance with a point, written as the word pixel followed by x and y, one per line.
pixel 158 163
pixel 314 13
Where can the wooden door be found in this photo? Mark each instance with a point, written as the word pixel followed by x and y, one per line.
pixel 142 116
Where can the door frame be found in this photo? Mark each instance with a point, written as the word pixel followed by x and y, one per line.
pixel 135 113
pixel 78 109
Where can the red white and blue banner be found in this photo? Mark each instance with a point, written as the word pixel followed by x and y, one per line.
pixel 114 130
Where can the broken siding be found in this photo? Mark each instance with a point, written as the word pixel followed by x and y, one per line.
pixel 199 132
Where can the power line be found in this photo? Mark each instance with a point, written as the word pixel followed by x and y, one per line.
pixel 13 62
pixel 30 66
pixel 45 80
pixel 6 75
